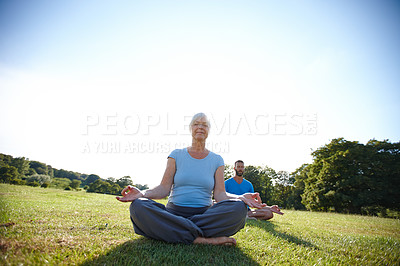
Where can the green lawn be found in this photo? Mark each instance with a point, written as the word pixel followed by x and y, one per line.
pixel 51 226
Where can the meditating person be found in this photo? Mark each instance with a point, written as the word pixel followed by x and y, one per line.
pixel 193 176
pixel 239 185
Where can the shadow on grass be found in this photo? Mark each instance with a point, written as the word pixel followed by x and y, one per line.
pixel 143 251
pixel 271 228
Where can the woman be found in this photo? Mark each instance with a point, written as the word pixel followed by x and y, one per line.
pixel 192 176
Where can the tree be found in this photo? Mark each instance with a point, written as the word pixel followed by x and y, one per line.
pixel 31 171
pixel 111 180
pixel 58 182
pixel 261 178
pixel 283 189
pixel 75 184
pixel 8 173
pixel 5 159
pixel 385 168
pixel 334 180
pixel 66 174
pixel 347 176
pixel 141 187
pixel 90 179
pixel 229 171
pixel 115 189
pixel 100 186
pixel 283 178
pixel 40 168
pixel 22 165
pixel 124 181
pixel 40 179
pixel 299 175
pixel 50 171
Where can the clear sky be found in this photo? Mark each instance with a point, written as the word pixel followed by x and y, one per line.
pixel 108 87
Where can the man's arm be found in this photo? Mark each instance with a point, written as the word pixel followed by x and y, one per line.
pixel 251 187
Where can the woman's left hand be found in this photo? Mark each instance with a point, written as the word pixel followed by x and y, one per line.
pixel 253 200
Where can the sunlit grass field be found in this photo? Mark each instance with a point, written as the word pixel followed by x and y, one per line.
pixel 51 226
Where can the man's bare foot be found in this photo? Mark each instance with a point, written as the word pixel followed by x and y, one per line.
pixel 251 218
pixel 223 240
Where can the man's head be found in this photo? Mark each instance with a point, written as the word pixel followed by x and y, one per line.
pixel 239 167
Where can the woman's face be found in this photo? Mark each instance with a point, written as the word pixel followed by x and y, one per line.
pixel 200 129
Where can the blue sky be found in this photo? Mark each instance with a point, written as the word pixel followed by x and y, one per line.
pixel 83 84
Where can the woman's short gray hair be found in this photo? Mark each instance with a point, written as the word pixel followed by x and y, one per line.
pixel 199 116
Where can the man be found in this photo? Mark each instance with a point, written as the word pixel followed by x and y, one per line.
pixel 238 185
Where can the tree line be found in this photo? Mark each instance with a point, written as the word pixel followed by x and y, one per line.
pixel 22 171
pixel 344 176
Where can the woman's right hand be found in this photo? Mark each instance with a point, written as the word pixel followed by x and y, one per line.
pixel 130 193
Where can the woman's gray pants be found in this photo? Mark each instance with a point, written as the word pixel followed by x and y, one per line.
pixel 152 219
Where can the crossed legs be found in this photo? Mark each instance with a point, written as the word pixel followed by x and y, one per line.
pixel 214 226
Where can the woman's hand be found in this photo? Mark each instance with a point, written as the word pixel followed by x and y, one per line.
pixel 130 193
pixel 253 200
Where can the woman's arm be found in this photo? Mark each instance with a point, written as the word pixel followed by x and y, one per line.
pixel 251 199
pixel 130 193
pixel 163 189
pixel 219 186
pixel 220 193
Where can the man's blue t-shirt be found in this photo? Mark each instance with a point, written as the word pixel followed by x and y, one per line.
pixel 231 186
pixel 194 178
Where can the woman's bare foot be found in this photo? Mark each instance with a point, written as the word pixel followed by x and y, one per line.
pixel 223 240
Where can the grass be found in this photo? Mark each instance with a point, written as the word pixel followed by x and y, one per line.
pixel 50 226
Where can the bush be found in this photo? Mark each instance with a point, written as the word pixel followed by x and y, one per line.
pixel 68 188
pixel 75 184
pixel 18 182
pixel 101 186
pixel 39 178
pixel 45 184
pixel 373 210
pixel 60 183
pixel 33 183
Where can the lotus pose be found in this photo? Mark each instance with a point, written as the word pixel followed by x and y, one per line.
pixel 192 177
pixel 239 185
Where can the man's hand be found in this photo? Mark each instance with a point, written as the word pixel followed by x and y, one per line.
pixel 265 213
pixel 130 193
pixel 276 209
pixel 253 200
